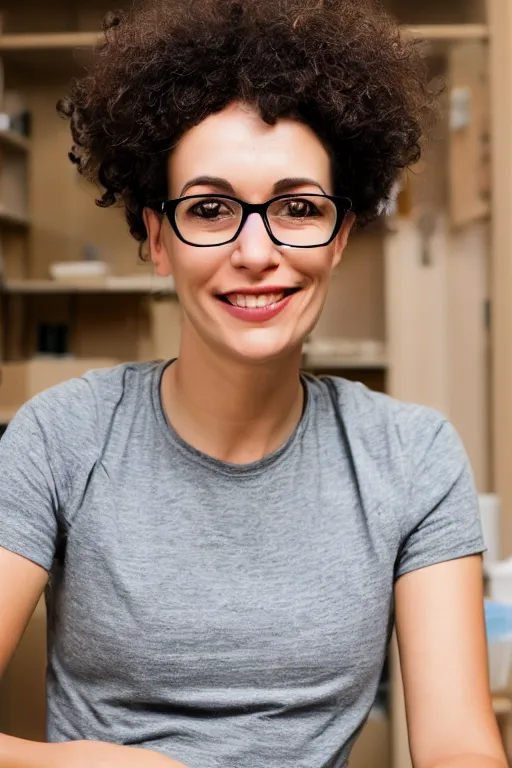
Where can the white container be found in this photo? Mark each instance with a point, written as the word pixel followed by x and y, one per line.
pixel 498 625
pixel 78 270
pixel 490 516
pixel 500 581
pixel 500 664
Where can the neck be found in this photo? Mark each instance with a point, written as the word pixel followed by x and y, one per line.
pixel 232 410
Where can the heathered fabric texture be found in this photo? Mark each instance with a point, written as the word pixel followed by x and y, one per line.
pixel 228 616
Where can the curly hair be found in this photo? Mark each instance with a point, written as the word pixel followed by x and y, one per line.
pixel 340 66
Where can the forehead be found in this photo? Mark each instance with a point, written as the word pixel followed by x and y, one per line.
pixel 237 145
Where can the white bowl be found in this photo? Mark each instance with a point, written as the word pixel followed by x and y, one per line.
pixel 66 270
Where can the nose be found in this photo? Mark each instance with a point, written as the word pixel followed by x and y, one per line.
pixel 254 250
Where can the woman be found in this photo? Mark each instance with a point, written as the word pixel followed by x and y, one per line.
pixel 228 541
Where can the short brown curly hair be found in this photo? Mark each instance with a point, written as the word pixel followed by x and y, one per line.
pixel 340 66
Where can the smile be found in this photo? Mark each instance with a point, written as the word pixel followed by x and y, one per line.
pixel 257 307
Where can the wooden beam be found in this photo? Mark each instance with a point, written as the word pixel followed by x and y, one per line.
pixel 449 32
pixel 57 40
pixel 500 24
pixel 70 40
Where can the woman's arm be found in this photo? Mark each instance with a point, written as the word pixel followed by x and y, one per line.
pixel 18 753
pixel 443 651
pixel 21 585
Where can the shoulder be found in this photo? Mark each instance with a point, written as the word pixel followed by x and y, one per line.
pixel 412 459
pixel 407 455
pixel 80 410
pixel 373 415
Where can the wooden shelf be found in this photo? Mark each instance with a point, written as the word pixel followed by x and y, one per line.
pixel 14 140
pixel 334 363
pixel 58 54
pixel 318 357
pixel 449 32
pixel 116 285
pixel 55 47
pixel 45 42
pixel 13 219
pixel 502 705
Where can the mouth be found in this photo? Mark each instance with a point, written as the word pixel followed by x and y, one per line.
pixel 256 301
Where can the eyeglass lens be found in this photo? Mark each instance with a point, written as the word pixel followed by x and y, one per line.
pixel 308 220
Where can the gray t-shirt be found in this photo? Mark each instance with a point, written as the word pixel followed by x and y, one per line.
pixel 228 616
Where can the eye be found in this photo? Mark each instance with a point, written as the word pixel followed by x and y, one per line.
pixel 210 208
pixel 299 208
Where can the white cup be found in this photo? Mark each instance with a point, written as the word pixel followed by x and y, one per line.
pixel 490 516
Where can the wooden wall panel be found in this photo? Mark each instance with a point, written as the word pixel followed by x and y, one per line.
pixel 416 316
pixel 468 346
pixel 500 18
pixel 355 304
pixel 467 146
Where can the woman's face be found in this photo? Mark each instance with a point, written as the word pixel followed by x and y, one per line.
pixel 234 152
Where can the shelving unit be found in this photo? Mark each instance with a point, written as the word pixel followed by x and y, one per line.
pixel 51 51
pixel 39 55
pixel 111 285
pixel 12 219
pixel 345 355
pixel 421 304
pixel 449 32
pixel 64 41
pixel 14 140
pixel 70 41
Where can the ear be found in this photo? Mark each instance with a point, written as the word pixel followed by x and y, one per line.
pixel 341 240
pixel 158 248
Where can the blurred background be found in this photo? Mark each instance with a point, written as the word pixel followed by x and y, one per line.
pixel 420 308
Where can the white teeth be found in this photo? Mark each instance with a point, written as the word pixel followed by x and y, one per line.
pixel 253 301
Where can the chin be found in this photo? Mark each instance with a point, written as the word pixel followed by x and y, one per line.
pixel 264 350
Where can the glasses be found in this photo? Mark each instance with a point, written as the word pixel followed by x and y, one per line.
pixel 298 221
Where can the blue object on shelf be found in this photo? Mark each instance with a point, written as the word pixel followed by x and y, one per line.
pixel 498 621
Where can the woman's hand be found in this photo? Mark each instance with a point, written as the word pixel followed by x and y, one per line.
pixel 18 753
pixel 94 754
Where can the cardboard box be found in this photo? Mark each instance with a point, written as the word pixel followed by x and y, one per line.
pixel 21 381
pixel 373 747
pixel 22 688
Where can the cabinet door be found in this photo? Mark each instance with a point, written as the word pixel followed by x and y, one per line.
pixel 437 337
pixel 416 313
pixel 469 147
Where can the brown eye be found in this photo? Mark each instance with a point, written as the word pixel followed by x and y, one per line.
pixel 209 209
pixel 299 209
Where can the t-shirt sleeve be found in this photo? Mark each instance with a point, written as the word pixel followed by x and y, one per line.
pixel 30 489
pixel 441 519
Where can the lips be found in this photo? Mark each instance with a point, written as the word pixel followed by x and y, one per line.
pixel 257 300
pixel 257 307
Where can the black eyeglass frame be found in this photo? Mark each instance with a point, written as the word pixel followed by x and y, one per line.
pixel 168 207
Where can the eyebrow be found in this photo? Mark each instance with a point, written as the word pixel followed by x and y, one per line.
pixel 208 181
pixel 283 185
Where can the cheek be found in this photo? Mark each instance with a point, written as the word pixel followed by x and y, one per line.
pixel 190 266
pixel 195 272
pixel 315 264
